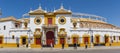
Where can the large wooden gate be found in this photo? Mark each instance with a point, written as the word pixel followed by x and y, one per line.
pixel 50 38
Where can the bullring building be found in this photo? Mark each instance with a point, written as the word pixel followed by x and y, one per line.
pixel 43 28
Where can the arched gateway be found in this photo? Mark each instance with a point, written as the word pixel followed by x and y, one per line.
pixel 50 38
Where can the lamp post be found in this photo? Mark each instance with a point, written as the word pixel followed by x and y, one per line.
pixel 91 33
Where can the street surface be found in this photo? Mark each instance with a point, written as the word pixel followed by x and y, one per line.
pixel 66 50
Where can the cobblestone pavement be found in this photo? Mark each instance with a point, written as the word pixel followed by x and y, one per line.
pixel 66 50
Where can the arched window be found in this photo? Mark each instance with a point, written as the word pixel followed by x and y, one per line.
pixel 119 37
pixel 13 36
pixel 113 37
pixel 4 27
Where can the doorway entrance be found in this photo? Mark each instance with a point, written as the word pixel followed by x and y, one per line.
pixel 38 41
pixel 62 40
pixel 97 39
pixel 75 40
pixel 1 39
pixel 24 41
pixel 106 39
pixel 85 40
pixel 50 39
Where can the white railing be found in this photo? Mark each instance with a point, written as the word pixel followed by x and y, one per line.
pixel 90 16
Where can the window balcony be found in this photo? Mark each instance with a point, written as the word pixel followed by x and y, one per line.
pixel 50 26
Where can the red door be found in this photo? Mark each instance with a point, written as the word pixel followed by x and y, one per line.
pixel 75 40
pixel 106 39
pixel 49 20
pixel 50 37
pixel 38 41
pixel 0 40
pixel 62 40
pixel 97 39
pixel 85 40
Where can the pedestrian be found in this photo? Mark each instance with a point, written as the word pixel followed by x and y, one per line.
pixel 62 45
pixel 17 41
pixel 51 45
pixel 86 45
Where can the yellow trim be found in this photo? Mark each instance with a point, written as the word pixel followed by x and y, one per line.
pixel 75 36
pixel 54 19
pixel 45 21
pixel 10 45
pixel 23 36
pixel 115 44
pixel 96 35
pixel 35 46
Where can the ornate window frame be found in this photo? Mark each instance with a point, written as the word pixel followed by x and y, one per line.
pixel 59 20
pixel 35 20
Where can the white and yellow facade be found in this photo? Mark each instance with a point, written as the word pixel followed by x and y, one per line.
pixel 59 27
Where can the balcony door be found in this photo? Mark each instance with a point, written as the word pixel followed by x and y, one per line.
pixel 49 21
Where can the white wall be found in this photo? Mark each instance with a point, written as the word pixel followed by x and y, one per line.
pixel 9 25
pixel 66 25
pixel 33 26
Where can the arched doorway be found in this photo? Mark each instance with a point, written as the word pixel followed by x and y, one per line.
pixel 38 41
pixel 86 40
pixel 97 39
pixel 50 38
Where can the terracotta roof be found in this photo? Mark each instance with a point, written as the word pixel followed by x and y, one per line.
pixel 10 18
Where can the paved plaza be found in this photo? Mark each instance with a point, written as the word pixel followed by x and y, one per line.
pixel 66 50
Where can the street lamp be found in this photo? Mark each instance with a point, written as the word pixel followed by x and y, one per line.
pixel 91 33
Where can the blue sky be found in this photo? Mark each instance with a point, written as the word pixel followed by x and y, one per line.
pixel 109 9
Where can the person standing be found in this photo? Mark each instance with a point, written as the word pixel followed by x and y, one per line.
pixel 86 45
pixel 17 41
pixel 63 44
